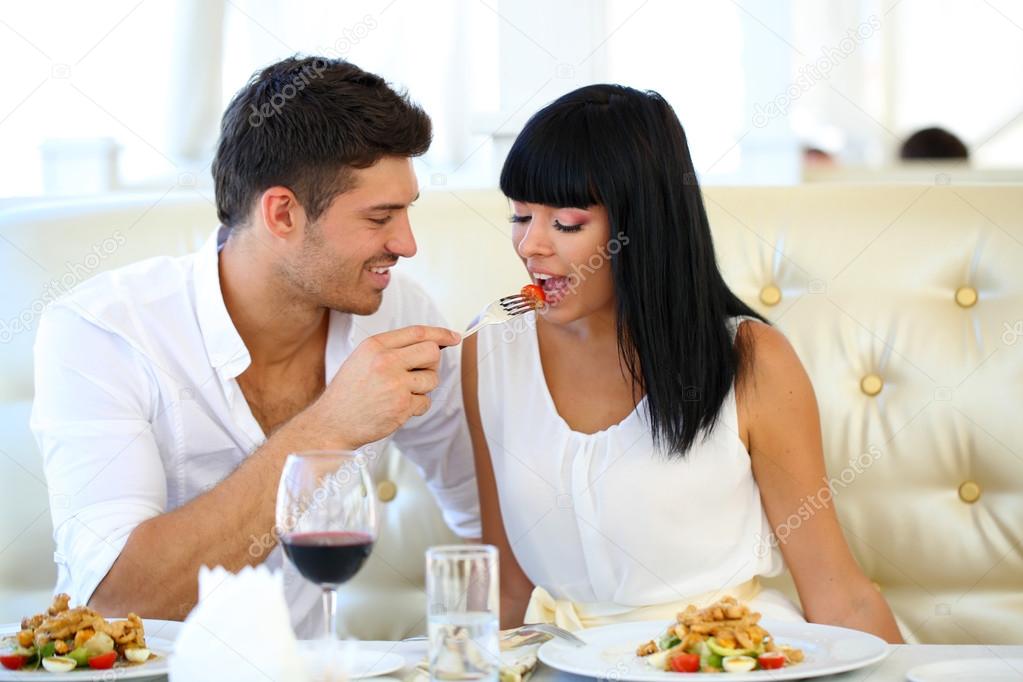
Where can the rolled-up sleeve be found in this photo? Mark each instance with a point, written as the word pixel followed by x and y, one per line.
pixel 92 416
pixel 438 442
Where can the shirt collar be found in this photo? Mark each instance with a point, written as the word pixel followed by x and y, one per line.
pixel 224 346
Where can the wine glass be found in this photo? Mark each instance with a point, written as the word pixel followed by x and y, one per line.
pixel 327 520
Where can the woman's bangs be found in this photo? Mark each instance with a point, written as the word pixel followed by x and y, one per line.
pixel 549 167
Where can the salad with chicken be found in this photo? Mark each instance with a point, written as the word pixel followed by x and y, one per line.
pixel 64 639
pixel 723 637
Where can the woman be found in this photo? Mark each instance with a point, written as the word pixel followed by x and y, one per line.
pixel 635 447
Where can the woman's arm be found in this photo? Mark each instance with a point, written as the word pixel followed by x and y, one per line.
pixel 515 586
pixel 783 428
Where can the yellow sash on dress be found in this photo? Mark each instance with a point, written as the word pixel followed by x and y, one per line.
pixel 543 608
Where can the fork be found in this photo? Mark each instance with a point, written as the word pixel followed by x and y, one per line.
pixel 553 631
pixel 499 312
pixel 507 636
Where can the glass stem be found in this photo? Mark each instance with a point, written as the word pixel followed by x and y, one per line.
pixel 330 612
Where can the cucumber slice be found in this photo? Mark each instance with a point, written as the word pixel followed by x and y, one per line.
pixel 709 661
pixel 667 642
pixel 80 656
pixel 725 651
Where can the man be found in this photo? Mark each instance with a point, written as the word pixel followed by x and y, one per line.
pixel 169 393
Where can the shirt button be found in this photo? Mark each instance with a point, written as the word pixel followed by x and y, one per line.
pixel 770 295
pixel 386 491
pixel 969 492
pixel 871 384
pixel 966 297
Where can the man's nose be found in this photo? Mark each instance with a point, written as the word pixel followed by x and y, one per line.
pixel 402 242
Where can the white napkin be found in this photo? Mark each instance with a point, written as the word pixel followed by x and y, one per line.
pixel 240 630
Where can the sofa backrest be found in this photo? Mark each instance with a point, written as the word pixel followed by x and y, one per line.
pixel 905 304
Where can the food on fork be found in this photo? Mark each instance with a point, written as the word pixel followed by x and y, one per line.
pixel 725 636
pixel 533 294
pixel 62 639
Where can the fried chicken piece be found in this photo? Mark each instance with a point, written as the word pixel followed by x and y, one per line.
pixel 691 640
pixel 127 632
pixel 25 638
pixel 712 627
pixel 757 634
pixel 647 649
pixel 59 605
pixel 725 637
pixel 65 624
pixel 83 636
pixel 32 622
pixel 744 639
pixel 684 616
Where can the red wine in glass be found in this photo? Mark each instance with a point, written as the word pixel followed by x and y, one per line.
pixel 328 558
pixel 327 520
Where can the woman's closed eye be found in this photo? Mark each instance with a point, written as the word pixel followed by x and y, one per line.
pixel 558 225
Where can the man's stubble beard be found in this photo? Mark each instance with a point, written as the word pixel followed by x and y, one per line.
pixel 328 282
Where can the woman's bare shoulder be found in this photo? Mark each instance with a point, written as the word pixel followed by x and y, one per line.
pixel 774 374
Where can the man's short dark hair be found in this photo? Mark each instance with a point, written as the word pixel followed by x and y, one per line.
pixel 933 143
pixel 304 123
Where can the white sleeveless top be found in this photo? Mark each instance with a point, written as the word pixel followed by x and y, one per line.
pixel 606 519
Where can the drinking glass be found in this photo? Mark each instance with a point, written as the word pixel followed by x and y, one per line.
pixel 327 520
pixel 463 602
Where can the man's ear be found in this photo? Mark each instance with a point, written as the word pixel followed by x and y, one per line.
pixel 282 215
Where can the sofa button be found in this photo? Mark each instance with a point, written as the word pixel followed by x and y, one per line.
pixel 969 492
pixel 770 295
pixel 386 491
pixel 966 297
pixel 871 384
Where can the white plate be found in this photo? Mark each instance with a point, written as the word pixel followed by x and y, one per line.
pixel 154 667
pixel 361 664
pixel 991 669
pixel 160 636
pixel 610 653
pixel 359 660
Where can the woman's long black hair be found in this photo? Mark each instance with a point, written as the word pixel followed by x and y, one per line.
pixel 625 150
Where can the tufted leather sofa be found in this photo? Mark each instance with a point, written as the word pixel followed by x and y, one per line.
pixel 905 304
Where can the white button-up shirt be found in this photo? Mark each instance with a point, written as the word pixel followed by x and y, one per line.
pixel 138 408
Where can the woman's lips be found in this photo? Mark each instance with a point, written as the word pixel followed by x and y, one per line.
pixel 555 289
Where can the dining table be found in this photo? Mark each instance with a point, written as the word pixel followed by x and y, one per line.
pixel 901 659
pixel 894 668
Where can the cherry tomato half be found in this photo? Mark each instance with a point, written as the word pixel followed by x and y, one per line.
pixel 685 663
pixel 772 660
pixel 103 661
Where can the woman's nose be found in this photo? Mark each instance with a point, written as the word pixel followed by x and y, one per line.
pixel 534 241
